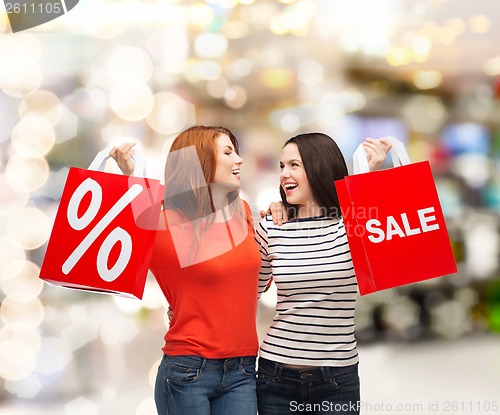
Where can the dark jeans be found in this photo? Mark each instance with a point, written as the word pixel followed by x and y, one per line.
pixel 193 385
pixel 322 390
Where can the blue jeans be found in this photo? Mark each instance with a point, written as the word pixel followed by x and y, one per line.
pixel 323 390
pixel 193 385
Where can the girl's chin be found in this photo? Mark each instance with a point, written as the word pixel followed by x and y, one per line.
pixel 225 188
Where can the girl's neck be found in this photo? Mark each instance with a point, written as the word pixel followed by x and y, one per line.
pixel 223 215
pixel 220 200
pixel 309 210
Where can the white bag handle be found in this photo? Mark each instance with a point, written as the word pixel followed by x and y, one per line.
pixel 103 155
pixel 398 153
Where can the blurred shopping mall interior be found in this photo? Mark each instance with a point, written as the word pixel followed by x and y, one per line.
pixel 112 71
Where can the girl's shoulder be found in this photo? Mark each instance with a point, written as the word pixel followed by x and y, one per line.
pixel 314 221
pixel 264 225
pixel 170 217
pixel 300 225
pixel 247 208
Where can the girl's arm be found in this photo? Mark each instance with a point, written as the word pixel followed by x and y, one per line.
pixel 265 272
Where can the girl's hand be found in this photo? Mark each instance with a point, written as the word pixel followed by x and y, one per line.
pixel 123 156
pixel 278 212
pixel 377 151
pixel 170 314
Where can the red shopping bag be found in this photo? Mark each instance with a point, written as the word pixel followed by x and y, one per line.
pixel 104 231
pixel 394 223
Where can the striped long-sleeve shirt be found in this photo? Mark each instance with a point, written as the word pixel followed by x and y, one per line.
pixel 310 262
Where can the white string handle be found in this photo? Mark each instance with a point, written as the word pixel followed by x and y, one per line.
pixel 398 152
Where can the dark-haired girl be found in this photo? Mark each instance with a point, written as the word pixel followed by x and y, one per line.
pixel 308 360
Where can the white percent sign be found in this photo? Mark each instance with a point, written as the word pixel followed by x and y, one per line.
pixel 117 234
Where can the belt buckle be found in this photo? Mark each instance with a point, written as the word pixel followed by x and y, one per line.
pixel 305 375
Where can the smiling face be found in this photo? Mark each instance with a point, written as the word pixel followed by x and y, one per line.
pixel 227 171
pixel 293 178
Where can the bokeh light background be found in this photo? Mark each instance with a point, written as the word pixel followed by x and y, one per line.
pixel 427 72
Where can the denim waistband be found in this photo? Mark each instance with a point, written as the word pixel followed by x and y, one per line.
pixel 207 363
pixel 280 371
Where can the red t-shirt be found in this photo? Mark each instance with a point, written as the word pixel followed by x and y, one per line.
pixel 212 290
